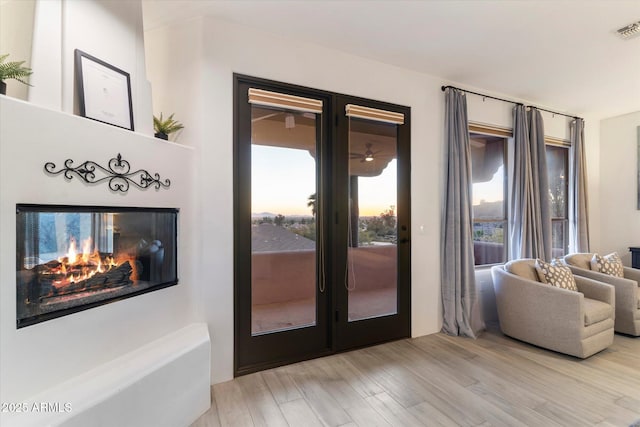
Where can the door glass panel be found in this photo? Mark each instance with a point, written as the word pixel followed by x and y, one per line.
pixel 283 223
pixel 372 268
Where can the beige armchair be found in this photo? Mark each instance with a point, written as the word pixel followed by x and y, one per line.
pixel 576 323
pixel 627 291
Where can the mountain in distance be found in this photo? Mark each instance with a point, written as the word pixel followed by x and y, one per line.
pixel 263 214
pixel 488 209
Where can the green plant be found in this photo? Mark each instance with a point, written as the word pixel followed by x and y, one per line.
pixel 14 70
pixel 166 126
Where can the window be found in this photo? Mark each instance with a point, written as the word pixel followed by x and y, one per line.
pixel 558 172
pixel 490 157
pixel 57 231
pixel 488 173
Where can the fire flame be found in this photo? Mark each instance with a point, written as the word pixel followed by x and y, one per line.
pixel 72 254
pixel 79 266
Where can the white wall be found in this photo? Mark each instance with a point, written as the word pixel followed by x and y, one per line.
pixel 619 157
pixel 46 54
pixel 227 49
pixel 217 49
pixel 16 34
pixel 498 113
pixel 40 356
pixel 109 30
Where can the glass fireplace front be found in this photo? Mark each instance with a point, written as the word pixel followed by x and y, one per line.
pixel 72 258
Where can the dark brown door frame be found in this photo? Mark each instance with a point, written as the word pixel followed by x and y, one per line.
pixel 254 353
pixel 348 335
pixel 332 333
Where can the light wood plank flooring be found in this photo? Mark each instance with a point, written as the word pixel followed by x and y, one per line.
pixel 439 380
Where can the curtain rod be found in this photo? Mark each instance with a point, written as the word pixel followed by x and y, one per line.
pixel 510 102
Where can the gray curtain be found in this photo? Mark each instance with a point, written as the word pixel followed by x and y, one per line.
pixel 102 231
pixel 540 184
pixel 578 207
pixel 30 257
pixel 461 306
pixel 530 209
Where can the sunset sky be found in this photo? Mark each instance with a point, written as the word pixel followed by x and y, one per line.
pixel 490 191
pixel 283 179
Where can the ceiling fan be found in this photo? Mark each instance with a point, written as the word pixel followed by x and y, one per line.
pixel 289 119
pixel 367 156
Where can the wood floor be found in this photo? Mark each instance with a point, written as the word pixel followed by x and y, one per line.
pixel 439 380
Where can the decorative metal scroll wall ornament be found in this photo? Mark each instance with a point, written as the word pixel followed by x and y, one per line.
pixel 117 173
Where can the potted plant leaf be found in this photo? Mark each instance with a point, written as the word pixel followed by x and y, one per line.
pixel 165 127
pixel 12 70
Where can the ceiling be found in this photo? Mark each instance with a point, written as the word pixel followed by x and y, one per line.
pixel 564 55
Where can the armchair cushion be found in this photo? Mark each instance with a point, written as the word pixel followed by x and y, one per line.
pixel 632 274
pixel 581 260
pixel 609 264
pixel 522 268
pixel 596 311
pixel 556 274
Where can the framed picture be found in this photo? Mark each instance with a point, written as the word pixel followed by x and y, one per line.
pixel 104 91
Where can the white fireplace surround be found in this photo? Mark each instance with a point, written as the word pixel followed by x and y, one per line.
pixel 164 383
pixel 122 359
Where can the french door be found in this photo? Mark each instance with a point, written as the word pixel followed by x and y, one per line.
pixel 321 223
pixel 371 234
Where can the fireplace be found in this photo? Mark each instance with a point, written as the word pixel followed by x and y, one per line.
pixel 72 258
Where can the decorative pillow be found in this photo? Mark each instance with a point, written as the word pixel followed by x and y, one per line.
pixel 609 264
pixel 556 273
